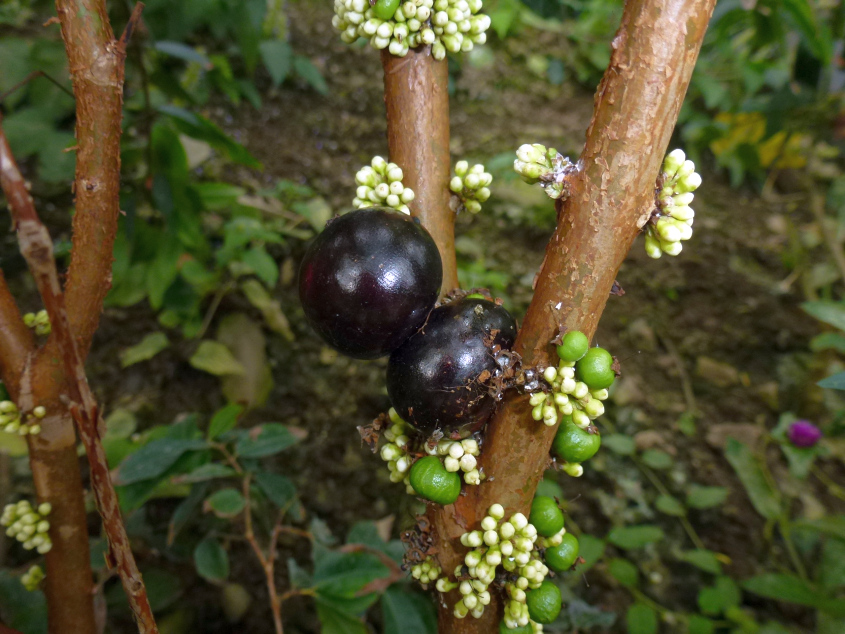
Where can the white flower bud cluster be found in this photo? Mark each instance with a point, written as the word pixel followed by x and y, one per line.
pixel 509 544
pixel 40 321
pixel 536 163
pixel 569 397
pixel 12 422
pixel 471 186
pixel 395 452
pixel 28 525
pixel 426 572
pixel 460 455
pixel 554 540
pixel 380 183
pixel 446 25
pixel 32 577
pixel 672 220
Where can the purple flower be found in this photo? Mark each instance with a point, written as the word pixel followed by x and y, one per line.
pixel 802 433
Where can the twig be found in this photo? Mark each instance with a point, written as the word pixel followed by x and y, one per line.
pixel 16 340
pixel 33 75
pixel 37 248
pixel 267 561
pixel 686 383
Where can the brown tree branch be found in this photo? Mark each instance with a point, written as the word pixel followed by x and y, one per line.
pixel 417 99
pixel 16 340
pixel 37 248
pixel 636 107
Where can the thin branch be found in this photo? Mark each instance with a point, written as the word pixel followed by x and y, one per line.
pixel 636 107
pixel 16 340
pixel 416 93
pixel 37 248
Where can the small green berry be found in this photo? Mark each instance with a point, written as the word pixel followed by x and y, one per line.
pixel 573 346
pixel 545 515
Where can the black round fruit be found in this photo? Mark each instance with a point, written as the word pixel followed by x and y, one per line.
pixel 436 379
pixel 368 281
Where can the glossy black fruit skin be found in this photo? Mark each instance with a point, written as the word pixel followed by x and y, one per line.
pixel 433 378
pixel 368 281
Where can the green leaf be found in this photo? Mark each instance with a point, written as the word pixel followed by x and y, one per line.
pixel 591 550
pixel 700 625
pixel 210 471
pixel 641 619
pixel 224 419
pixel 185 510
pixel 619 444
pixel 280 490
pixel 631 537
pixel 22 610
pixel 830 312
pixel 407 612
pixel 722 596
pixel 270 308
pixel 305 68
pixel 154 458
pixel 277 57
pixel 657 459
pixel 183 52
pixel 211 560
pixel 703 497
pixel 702 559
pixel 266 440
pixel 783 587
pixel 816 34
pixel 833 525
pixel 343 575
pixel 226 502
pixel 832 567
pixel 216 196
pixel 163 588
pixel 216 359
pixel 262 265
pixel 764 499
pixel 146 349
pixel 828 341
pixel 163 270
pixel 670 506
pixel 624 572
pixel 201 128
pixel 335 620
pixel 834 382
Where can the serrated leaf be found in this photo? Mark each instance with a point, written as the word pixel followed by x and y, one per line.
pixel 764 499
pixel 631 537
pixel 226 502
pixel 702 559
pixel 266 440
pixel 154 458
pixel 144 350
pixel 407 612
pixel 619 444
pixel 670 506
pixel 641 619
pixel 211 560
pixel 624 572
pixel 703 497
pixel 224 419
pixel 216 359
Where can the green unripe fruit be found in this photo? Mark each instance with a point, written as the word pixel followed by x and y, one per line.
pixel 385 9
pixel 544 603
pixel 522 629
pixel 596 369
pixel 545 515
pixel 573 346
pixel 574 444
pixel 431 481
pixel 562 557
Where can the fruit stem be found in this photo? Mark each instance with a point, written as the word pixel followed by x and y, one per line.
pixel 417 99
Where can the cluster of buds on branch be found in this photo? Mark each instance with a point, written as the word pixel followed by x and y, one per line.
pixel 28 525
pixel 380 183
pixel 39 321
pixel 536 163
pixel 470 186
pixel 459 455
pixel 671 220
pixel 12 421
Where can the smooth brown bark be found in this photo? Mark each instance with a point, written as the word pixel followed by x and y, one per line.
pixel 636 107
pixel 416 93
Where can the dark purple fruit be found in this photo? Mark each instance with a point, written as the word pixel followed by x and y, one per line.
pixel 438 379
pixel 368 281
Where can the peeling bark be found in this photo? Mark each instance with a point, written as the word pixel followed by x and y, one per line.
pixel 636 107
